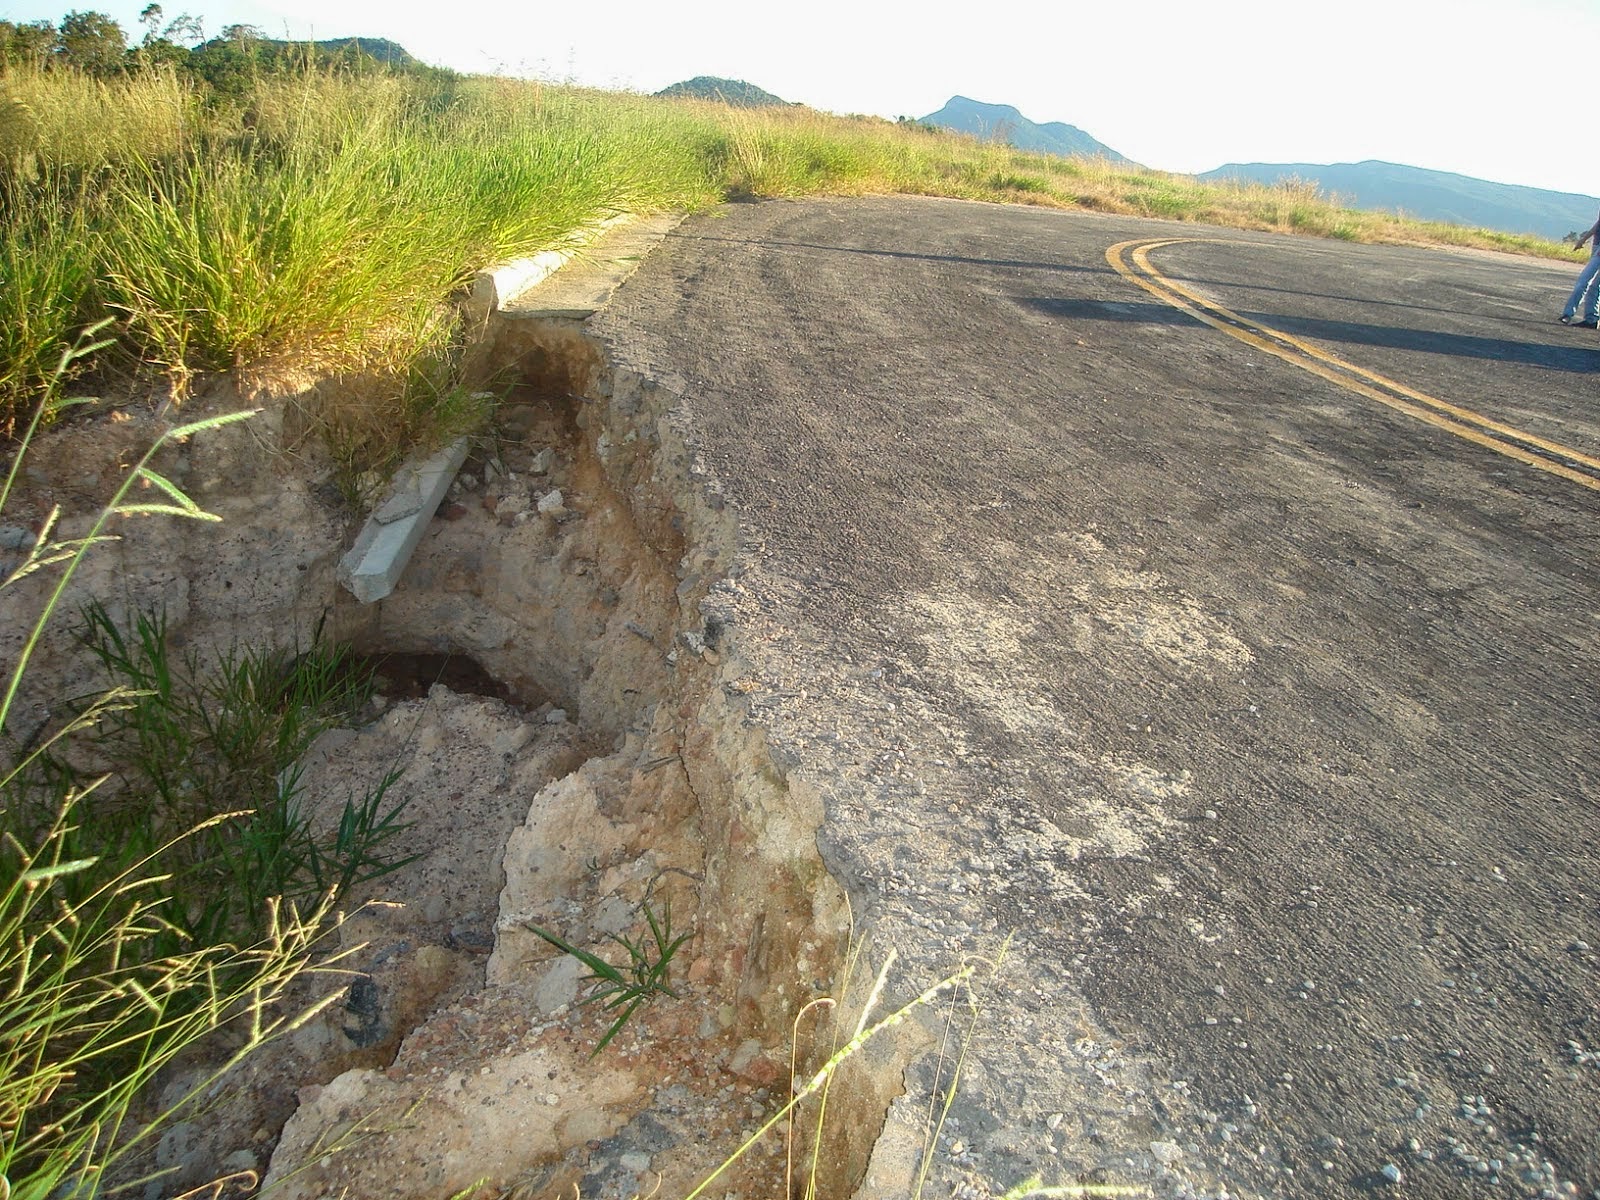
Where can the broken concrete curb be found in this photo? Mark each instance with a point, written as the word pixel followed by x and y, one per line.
pixel 374 564
pixel 383 547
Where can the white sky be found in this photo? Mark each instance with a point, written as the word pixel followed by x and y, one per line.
pixel 1498 89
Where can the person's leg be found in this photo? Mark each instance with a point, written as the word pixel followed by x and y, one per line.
pixel 1591 293
pixel 1586 277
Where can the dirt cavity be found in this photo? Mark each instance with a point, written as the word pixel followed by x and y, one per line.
pixel 573 561
pixel 563 723
pixel 411 676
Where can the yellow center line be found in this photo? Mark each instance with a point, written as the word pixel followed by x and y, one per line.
pixel 1462 422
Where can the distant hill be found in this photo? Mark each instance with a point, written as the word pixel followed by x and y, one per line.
pixel 247 39
pixel 232 63
pixel 1433 195
pixel 735 92
pixel 379 49
pixel 1002 123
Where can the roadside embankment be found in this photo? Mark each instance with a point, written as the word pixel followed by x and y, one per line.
pixel 564 709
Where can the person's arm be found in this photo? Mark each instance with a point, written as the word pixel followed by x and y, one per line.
pixel 1588 233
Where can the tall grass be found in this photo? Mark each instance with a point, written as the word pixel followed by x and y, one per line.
pixel 325 221
pixel 48 262
pixel 68 120
pixel 88 1018
pixel 247 257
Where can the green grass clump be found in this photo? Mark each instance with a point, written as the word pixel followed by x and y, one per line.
pixel 48 260
pixel 189 740
pixel 249 259
pixel 1168 197
pixel 1002 181
pixel 623 989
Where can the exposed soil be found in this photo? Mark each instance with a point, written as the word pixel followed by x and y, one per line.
pixel 568 736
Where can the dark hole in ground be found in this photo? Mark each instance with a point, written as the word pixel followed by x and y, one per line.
pixel 408 676
pixel 537 416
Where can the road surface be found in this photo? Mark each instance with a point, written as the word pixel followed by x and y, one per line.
pixel 1219 614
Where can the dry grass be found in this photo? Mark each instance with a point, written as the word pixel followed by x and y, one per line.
pixel 66 120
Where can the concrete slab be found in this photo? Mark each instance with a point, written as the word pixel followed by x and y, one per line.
pixel 372 567
pixel 495 287
pixel 594 271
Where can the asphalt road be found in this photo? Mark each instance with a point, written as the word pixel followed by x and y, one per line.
pixel 1261 704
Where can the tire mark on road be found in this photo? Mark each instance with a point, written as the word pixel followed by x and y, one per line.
pixel 1527 448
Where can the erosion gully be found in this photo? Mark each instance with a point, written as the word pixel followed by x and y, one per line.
pixel 607 767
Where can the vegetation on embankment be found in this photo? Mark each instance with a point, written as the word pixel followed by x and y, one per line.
pixel 320 218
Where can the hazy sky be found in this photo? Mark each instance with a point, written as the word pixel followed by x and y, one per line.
pixel 1498 89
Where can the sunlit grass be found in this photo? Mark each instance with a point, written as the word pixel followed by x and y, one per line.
pixel 246 257
pixel 48 262
pixel 64 119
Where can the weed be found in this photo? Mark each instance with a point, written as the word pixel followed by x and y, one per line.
pixel 184 735
pixel 821 1079
pixel 644 977
pixel 1004 181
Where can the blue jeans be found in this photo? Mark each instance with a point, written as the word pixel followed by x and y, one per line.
pixel 1586 291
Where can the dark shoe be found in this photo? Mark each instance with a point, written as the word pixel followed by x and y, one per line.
pixel 1584 324
pixel 1565 318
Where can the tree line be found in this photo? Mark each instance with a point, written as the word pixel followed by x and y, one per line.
pixel 94 44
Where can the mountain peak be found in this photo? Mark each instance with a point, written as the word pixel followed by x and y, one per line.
pixel 1003 123
pixel 734 92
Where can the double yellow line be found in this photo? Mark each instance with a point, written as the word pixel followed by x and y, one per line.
pixel 1524 447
